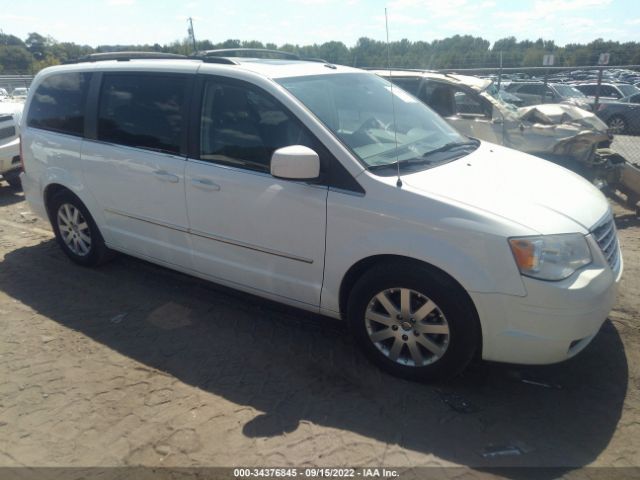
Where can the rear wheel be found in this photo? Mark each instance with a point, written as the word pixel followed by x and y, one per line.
pixel 413 321
pixel 617 124
pixel 76 231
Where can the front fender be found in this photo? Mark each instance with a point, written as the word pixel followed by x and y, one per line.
pixel 459 245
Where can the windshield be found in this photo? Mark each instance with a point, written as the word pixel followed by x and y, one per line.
pixel 628 90
pixel 358 109
pixel 568 91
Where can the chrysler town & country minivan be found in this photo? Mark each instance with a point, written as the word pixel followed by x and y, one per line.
pixel 325 188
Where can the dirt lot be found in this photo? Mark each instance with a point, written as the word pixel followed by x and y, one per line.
pixel 133 364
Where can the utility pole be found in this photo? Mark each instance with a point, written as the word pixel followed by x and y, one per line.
pixel 192 34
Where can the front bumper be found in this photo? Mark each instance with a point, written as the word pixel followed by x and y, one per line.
pixel 553 322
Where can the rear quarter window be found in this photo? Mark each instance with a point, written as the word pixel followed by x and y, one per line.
pixel 58 103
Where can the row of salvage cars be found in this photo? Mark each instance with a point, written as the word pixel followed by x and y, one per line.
pixel 560 132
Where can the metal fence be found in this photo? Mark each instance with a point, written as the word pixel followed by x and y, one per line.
pixel 11 82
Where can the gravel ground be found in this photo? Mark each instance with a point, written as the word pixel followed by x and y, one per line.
pixel 133 364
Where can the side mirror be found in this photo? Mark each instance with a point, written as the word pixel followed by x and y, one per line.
pixel 295 162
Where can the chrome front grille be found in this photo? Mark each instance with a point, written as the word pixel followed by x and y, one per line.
pixel 607 238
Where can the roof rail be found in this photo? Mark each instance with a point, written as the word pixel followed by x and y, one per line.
pixel 401 69
pixel 263 52
pixel 126 56
pixel 226 52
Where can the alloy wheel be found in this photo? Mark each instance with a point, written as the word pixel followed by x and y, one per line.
pixel 74 229
pixel 617 125
pixel 407 327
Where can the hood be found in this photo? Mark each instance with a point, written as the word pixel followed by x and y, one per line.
pixel 522 188
pixel 558 113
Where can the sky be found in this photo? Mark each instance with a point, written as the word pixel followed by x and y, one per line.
pixel 110 22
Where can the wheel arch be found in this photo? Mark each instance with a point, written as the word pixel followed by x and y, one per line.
pixel 359 268
pixel 51 191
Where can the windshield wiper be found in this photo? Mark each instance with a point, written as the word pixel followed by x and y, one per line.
pixel 424 160
pixel 447 147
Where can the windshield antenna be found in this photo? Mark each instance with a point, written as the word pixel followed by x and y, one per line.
pixel 393 105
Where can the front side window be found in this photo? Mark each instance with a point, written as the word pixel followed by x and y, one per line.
pixel 142 111
pixel 381 126
pixel 59 102
pixel 467 104
pixel 242 126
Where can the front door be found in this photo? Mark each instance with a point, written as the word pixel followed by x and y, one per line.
pixel 248 228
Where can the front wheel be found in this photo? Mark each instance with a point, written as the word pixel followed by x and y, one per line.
pixel 413 321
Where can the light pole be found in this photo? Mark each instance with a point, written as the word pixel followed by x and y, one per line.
pixel 192 34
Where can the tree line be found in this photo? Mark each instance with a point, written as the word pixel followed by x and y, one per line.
pixel 28 56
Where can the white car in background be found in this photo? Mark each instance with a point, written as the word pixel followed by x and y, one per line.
pixel 321 187
pixel 19 93
pixel 10 114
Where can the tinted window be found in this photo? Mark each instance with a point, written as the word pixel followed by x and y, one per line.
pixel 144 111
pixel 587 89
pixel 410 84
pixel 532 89
pixel 467 104
pixel 58 103
pixel 609 91
pixel 440 97
pixel 242 126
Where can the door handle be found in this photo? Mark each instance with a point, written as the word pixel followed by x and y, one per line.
pixel 205 183
pixel 166 176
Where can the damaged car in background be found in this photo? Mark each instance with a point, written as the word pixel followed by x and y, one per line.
pixel 562 133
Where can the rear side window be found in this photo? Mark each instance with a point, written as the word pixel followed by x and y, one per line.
pixel 143 111
pixel 58 103
pixel 587 89
pixel 609 91
pixel 532 89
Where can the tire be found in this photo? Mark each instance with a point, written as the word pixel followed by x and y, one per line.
pixel 617 124
pixel 76 231
pixel 435 346
pixel 13 179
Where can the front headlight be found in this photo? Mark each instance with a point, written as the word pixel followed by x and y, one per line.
pixel 550 257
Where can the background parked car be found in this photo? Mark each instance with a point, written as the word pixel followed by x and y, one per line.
pixel 608 91
pixel 535 93
pixel 20 93
pixel 620 117
pixel 10 114
pixel 562 133
pixel 631 99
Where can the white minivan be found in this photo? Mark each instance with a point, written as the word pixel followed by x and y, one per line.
pixel 325 188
